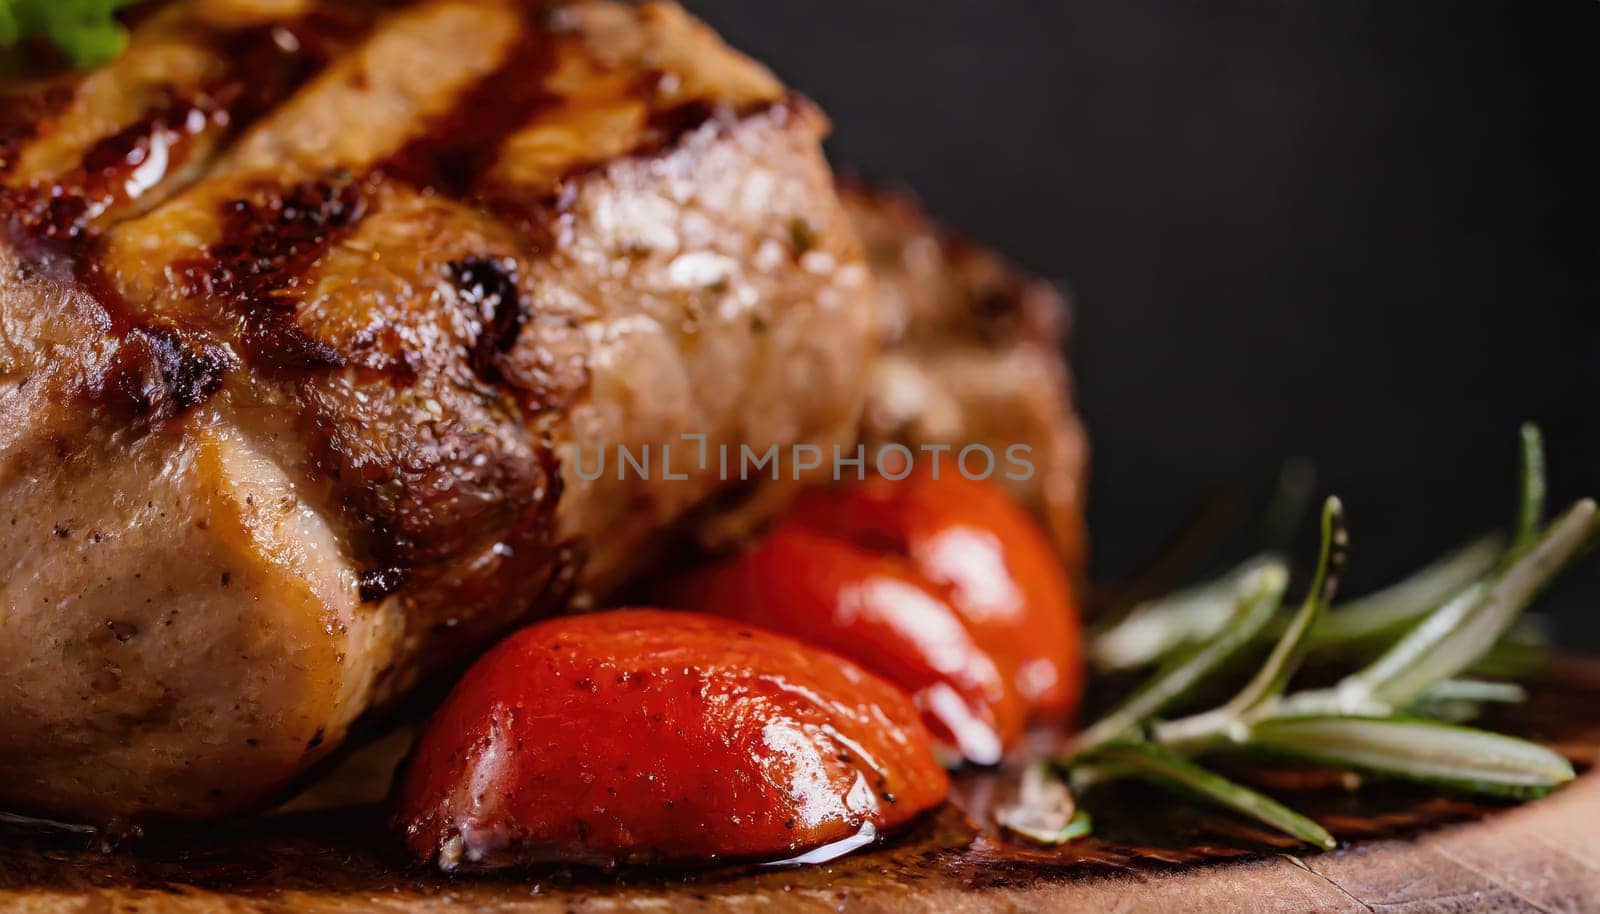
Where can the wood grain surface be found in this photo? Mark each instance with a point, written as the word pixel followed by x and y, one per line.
pixel 1405 850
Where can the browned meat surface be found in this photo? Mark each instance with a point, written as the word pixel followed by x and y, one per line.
pixel 302 308
pixel 972 355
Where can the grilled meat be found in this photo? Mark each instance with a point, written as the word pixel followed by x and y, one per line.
pixel 305 306
pixel 302 308
pixel 972 355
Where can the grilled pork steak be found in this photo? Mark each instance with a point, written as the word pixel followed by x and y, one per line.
pixel 304 306
pixel 301 310
pixel 973 355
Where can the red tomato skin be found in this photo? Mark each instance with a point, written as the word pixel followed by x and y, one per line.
pixel 644 735
pixel 876 610
pixel 989 559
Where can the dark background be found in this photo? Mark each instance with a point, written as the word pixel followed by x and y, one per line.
pixel 1363 232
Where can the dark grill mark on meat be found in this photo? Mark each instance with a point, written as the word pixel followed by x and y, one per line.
pixel 267 64
pixel 458 148
pixel 156 371
pixel 160 371
pixel 189 374
pixel 488 287
pixel 256 269
pixel 271 61
pixel 380 582
pixel 186 372
pixel 35 220
pixel 667 125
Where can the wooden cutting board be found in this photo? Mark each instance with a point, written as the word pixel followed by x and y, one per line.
pixel 1406 851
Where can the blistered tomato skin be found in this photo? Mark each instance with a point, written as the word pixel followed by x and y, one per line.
pixel 987 557
pixel 876 610
pixel 642 735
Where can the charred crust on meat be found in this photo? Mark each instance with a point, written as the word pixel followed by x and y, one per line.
pixel 156 371
pixel 263 69
pixel 488 288
pixel 189 373
pixel 272 60
pixel 37 220
pixel 377 583
pixel 269 241
pixel 453 154
pixel 667 125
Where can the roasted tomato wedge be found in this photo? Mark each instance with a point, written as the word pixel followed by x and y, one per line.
pixel 645 735
pixel 982 553
pixel 875 609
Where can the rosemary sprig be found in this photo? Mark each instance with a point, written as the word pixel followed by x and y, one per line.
pixel 1231 722
pixel 1156 629
pixel 1428 751
pixel 1384 615
pixel 1164 768
pixel 1457 634
pixel 1457 701
pixel 1361 723
pixel 1530 501
pixel 1260 595
pixel 1474 690
pixel 1291 648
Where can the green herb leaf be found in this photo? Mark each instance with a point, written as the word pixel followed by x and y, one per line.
pixel 1270 680
pixel 1385 614
pixel 1416 750
pixel 1259 597
pixel 1462 631
pixel 1231 723
pixel 1152 630
pixel 10 28
pixel 1460 700
pixel 1530 502
pixel 1168 770
pixel 85 31
pixel 1474 690
pixel 1521 651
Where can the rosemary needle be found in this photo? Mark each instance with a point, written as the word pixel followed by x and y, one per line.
pixel 1259 596
pixel 1164 768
